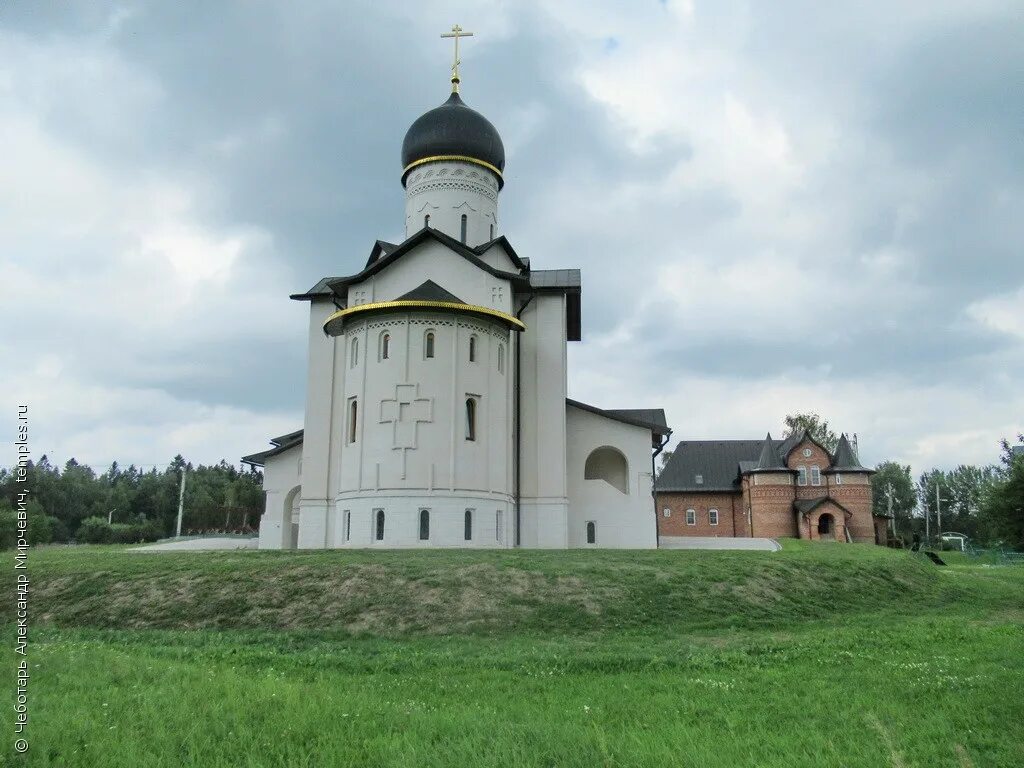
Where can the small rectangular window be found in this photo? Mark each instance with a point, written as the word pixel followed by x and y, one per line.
pixel 591 532
pixel 348 525
pixel 699 479
pixel 839 479
pixel 463 233
pixel 353 414
pixel 691 517
pixel 467 533
pixel 801 475
pixel 815 476
pixel 666 512
pixel 713 516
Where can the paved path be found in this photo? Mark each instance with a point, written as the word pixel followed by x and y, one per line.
pixel 718 542
pixel 200 544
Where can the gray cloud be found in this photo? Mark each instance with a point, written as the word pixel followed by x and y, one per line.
pixel 757 196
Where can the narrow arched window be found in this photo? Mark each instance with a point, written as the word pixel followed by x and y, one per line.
pixel 378 528
pixel 501 358
pixel 428 345
pixel 426 220
pixel 424 525
pixel 492 231
pixel 354 357
pixel 470 418
pixel 353 413
pixel 385 346
pixel 465 223
pixel 591 532
pixel 467 525
pixel 472 349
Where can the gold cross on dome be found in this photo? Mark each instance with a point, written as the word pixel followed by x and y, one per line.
pixel 456 33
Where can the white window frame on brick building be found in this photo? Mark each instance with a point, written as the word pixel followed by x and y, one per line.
pixel 691 517
pixel 712 517
pixel 801 475
pixel 815 475
pixel 666 512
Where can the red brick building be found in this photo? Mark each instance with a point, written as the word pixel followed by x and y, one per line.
pixel 767 488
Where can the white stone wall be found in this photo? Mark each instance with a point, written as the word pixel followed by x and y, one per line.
pixel 281 481
pixel 432 260
pixel 411 449
pixel 622 520
pixel 447 190
pixel 544 494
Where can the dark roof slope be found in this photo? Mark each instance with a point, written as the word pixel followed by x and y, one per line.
pixel 282 444
pixel 430 291
pixel 716 462
pixel 648 418
pixel 769 457
pixel 845 460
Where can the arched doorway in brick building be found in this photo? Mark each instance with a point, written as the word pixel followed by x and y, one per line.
pixel 826 527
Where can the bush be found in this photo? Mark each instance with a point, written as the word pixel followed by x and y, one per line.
pixel 96 530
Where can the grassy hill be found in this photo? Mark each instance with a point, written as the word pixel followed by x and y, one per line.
pixel 404 593
pixel 814 656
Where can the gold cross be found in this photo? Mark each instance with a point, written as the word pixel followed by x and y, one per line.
pixel 456 33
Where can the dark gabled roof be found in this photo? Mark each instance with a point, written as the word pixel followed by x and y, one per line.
pixel 845 460
pixel 715 461
pixel 380 248
pixel 338 285
pixel 768 460
pixel 287 442
pixel 521 264
pixel 430 291
pixel 648 418
pixel 291 436
pixel 565 281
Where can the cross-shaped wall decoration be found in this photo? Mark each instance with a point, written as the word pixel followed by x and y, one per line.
pixel 405 411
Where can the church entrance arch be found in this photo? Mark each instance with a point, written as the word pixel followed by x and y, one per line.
pixel 608 464
pixel 826 526
pixel 290 518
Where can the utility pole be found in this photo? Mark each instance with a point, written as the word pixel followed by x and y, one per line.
pixel 892 519
pixel 181 501
pixel 938 513
pixel 927 521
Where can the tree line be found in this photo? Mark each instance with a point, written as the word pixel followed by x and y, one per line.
pixel 127 504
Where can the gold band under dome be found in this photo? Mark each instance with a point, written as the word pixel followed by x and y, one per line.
pixel 463 158
pixel 471 309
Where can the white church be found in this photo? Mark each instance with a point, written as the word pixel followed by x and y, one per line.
pixel 436 400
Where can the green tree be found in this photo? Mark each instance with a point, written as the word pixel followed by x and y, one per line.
pixel 816 426
pixel 1002 505
pixel 894 477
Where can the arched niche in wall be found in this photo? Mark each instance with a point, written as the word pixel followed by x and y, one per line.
pixel 608 464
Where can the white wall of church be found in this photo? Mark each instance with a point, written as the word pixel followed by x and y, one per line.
pixel 281 481
pixel 448 190
pixel 544 493
pixel 411 445
pixel 432 260
pixel 621 520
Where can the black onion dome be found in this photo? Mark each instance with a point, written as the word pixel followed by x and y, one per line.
pixel 453 129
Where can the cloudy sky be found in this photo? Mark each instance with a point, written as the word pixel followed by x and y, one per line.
pixel 776 207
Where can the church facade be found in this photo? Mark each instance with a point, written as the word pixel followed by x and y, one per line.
pixel 772 488
pixel 436 410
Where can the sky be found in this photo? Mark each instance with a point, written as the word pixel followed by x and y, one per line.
pixel 776 207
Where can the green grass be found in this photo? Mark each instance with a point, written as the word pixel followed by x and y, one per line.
pixel 815 656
